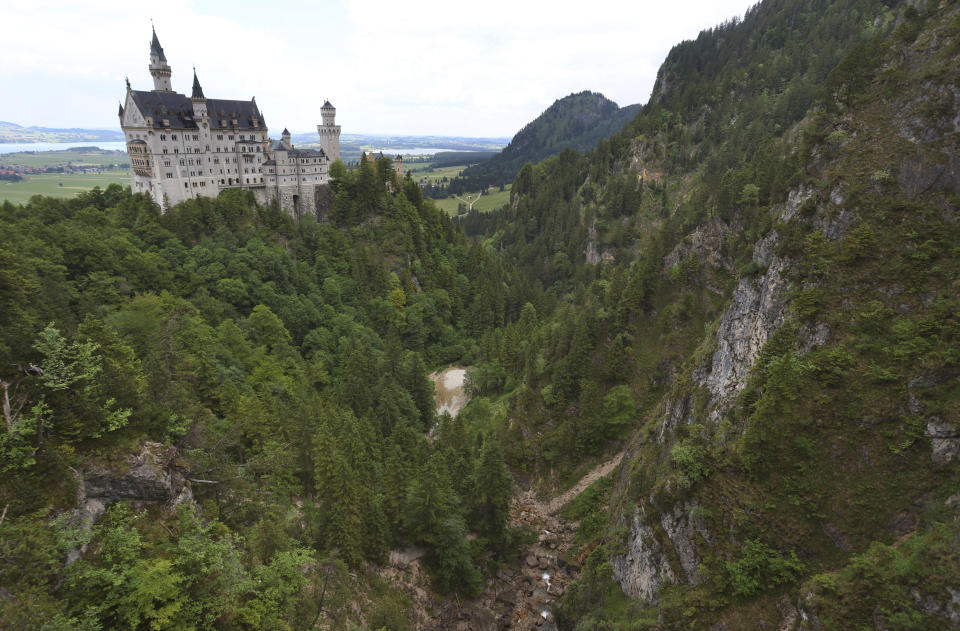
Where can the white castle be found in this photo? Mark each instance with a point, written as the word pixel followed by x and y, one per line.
pixel 184 147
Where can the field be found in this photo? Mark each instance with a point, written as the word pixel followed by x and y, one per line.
pixel 423 171
pixel 495 199
pixel 41 159
pixel 426 171
pixel 60 184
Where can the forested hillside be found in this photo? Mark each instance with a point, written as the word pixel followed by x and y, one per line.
pixel 756 290
pixel 576 122
pixel 264 377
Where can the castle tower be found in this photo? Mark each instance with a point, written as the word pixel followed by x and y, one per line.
pixel 285 139
pixel 159 69
pixel 199 101
pixel 329 132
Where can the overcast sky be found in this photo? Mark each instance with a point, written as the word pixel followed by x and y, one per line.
pixel 437 67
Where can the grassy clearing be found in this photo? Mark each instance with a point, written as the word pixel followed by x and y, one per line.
pixel 59 185
pixel 40 159
pixel 426 171
pixel 491 201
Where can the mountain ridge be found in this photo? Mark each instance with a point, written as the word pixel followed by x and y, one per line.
pixel 576 121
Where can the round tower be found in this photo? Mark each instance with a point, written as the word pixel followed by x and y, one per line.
pixel 329 131
pixel 159 68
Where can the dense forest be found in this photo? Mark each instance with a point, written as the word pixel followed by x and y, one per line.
pixel 750 291
pixel 576 121
pixel 281 364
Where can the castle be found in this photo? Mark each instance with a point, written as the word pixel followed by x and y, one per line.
pixel 184 147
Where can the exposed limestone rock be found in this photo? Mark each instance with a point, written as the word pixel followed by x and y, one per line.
pixel 789 616
pixel 707 244
pixel 681 528
pixel 946 607
pixel 644 567
pixel 146 476
pixel 757 309
pixel 944 440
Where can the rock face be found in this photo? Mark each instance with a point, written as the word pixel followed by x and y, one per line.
pixel 757 309
pixel 147 479
pixel 758 306
pixel 645 566
pixel 944 440
pixel 146 476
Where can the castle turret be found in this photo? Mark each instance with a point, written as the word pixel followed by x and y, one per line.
pixel 329 132
pixel 285 139
pixel 199 101
pixel 159 69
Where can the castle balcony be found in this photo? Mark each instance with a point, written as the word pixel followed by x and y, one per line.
pixel 139 158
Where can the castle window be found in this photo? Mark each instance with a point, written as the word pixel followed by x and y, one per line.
pixel 230 137
pixel 219 136
pixel 196 137
pixel 176 150
pixel 163 136
pixel 173 137
pixel 185 185
pixel 164 149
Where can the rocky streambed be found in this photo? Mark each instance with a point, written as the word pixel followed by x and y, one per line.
pixel 523 594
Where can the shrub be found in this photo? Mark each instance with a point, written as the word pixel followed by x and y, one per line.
pixel 760 568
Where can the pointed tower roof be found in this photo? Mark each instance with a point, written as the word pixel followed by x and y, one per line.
pixel 120 113
pixel 155 47
pixel 197 90
pixel 285 132
pixel 327 104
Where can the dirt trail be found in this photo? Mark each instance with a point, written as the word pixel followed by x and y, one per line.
pixel 601 470
pixel 519 596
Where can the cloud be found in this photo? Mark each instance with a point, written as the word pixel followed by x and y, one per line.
pixel 427 67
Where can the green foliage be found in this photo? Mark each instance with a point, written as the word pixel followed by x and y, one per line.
pixel 761 568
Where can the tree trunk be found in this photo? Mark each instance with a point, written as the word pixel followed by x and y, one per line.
pixel 7 414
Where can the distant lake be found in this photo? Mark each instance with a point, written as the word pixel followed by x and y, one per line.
pixel 419 151
pixel 16 147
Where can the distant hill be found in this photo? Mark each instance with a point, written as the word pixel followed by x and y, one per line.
pixel 576 121
pixel 11 132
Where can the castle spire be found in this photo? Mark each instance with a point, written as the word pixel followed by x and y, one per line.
pixel 120 113
pixel 155 47
pixel 159 68
pixel 197 90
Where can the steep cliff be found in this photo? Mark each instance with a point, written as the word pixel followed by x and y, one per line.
pixel 809 446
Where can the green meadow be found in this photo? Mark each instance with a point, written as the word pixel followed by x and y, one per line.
pixel 39 159
pixel 491 201
pixel 60 184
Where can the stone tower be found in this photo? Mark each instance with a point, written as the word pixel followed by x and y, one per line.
pixel 329 132
pixel 159 68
